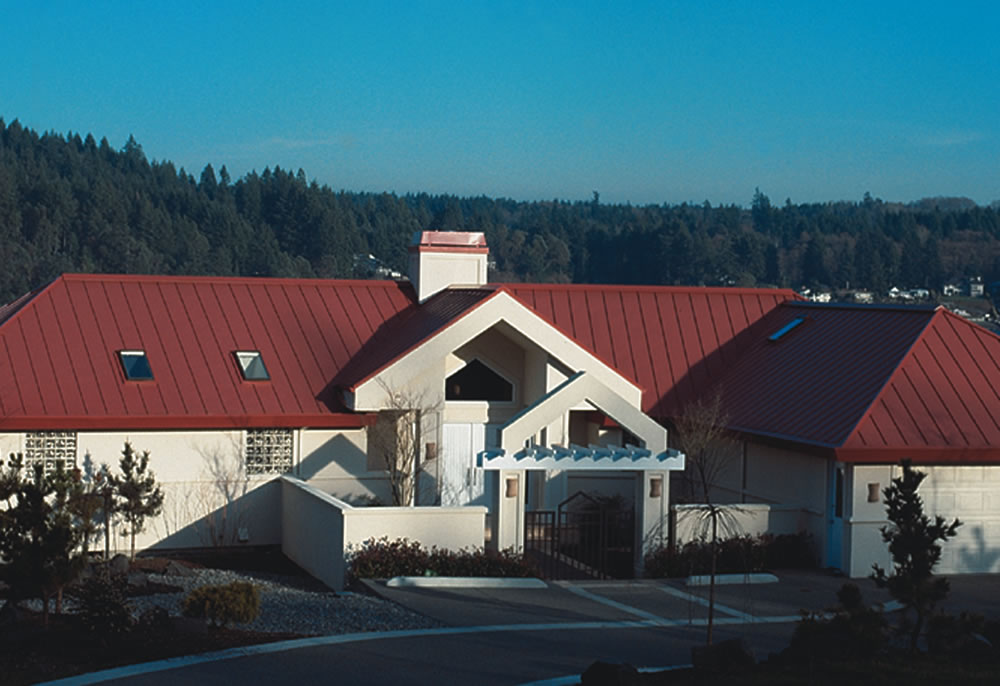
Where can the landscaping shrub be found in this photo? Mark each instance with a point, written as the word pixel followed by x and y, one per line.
pixel 384 559
pixel 238 601
pixel 737 555
pixel 103 604
pixel 854 632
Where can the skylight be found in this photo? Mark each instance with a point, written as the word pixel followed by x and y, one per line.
pixel 251 365
pixel 785 329
pixel 135 365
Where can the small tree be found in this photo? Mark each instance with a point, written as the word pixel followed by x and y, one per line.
pixel 702 436
pixel 138 496
pixel 915 545
pixel 38 539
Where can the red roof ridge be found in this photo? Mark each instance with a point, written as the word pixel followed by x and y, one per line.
pixel 190 278
pixel 651 288
pixel 890 307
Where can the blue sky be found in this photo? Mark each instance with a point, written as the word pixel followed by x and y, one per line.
pixel 644 102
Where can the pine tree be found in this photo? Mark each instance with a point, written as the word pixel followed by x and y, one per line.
pixel 915 545
pixel 137 494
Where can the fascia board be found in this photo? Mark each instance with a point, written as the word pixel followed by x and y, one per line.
pixel 369 395
pixel 578 388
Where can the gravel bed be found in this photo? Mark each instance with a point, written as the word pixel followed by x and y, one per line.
pixel 287 604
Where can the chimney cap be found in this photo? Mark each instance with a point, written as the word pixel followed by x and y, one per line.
pixel 475 240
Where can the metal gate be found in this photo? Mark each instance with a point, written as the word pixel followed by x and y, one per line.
pixel 584 538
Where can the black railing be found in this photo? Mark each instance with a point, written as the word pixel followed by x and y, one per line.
pixel 584 538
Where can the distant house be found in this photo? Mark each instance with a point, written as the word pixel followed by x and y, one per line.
pixel 517 396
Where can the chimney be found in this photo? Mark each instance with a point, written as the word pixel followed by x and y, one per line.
pixel 441 259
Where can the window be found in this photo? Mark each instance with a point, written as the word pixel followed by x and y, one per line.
pixel 136 365
pixel 268 451
pixel 785 329
pixel 476 381
pixel 50 449
pixel 251 365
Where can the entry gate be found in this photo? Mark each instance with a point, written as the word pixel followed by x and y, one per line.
pixel 584 538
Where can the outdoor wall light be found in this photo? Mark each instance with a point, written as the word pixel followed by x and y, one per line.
pixel 511 490
pixel 656 487
pixel 430 451
pixel 873 493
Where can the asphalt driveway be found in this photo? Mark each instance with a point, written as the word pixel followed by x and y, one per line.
pixel 510 636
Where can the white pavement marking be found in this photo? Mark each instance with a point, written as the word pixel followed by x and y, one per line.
pixel 463 582
pixel 690 597
pixel 621 606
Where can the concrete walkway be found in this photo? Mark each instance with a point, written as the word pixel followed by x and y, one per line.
pixel 504 636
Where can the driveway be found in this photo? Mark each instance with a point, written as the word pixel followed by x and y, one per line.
pixel 510 636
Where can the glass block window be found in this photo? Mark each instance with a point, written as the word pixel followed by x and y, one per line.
pixel 269 451
pixel 136 365
pixel 50 449
pixel 251 365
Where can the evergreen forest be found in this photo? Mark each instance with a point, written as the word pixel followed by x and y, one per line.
pixel 72 204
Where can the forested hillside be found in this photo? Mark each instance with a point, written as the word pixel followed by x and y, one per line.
pixel 74 204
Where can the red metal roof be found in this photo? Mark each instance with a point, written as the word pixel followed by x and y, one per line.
pixel 871 384
pixel 860 383
pixel 672 342
pixel 59 350
pixel 941 404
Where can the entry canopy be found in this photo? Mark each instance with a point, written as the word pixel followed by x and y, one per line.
pixel 518 451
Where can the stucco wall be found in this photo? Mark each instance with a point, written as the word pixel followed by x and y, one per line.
pixel 318 529
pixel 780 476
pixel 312 531
pixel 336 462
pixel 750 519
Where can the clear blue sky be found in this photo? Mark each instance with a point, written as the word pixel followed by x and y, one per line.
pixel 643 102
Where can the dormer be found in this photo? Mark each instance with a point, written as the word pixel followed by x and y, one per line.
pixel 441 259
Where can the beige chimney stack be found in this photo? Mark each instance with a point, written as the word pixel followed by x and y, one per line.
pixel 441 259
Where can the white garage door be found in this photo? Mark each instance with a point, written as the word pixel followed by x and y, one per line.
pixel 973 495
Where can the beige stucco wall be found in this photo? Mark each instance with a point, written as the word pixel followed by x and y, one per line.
pixel 336 462
pixel 318 529
pixel 748 519
pixel 201 474
pixel 785 477
pixel 312 531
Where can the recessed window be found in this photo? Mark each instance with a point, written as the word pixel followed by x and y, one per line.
pixel 136 365
pixel 785 329
pixel 251 365
pixel 476 381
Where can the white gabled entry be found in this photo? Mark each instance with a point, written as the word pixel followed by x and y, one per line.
pixel 519 451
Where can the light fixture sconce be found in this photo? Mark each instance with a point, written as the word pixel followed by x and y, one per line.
pixel 430 451
pixel 873 493
pixel 656 487
pixel 511 489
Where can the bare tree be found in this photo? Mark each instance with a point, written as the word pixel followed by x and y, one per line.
pixel 220 500
pixel 396 438
pixel 704 440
